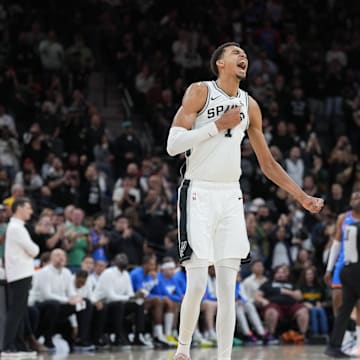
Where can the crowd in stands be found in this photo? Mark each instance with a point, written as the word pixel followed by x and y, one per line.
pixel 105 206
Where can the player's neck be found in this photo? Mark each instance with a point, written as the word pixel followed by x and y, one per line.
pixel 230 85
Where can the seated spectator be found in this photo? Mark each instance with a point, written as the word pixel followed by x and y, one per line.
pixel 94 276
pixel 114 299
pixel 252 283
pixel 245 309
pixel 54 294
pixel 168 281
pixel 315 300
pixel 280 299
pixel 160 307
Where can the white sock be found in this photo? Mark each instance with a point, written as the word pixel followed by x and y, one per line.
pixel 168 322
pixel 158 331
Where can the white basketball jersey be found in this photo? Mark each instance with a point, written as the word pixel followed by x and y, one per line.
pixel 219 157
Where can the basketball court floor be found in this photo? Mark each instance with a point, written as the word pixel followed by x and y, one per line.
pixel 297 352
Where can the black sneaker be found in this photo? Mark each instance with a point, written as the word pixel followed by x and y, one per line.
pixel 122 342
pixel 161 344
pixel 102 343
pixel 50 345
pixel 335 353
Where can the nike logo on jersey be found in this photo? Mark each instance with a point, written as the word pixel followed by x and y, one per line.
pixel 215 97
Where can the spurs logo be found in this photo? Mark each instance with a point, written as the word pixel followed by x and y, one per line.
pixel 183 245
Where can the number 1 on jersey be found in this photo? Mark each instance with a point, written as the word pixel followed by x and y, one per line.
pixel 228 133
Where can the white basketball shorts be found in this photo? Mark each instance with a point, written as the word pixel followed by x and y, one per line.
pixel 211 221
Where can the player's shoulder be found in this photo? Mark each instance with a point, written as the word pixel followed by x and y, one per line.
pixel 198 88
pixel 341 217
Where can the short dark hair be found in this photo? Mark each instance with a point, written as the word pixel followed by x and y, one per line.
pixel 217 54
pixel 19 203
pixel 81 274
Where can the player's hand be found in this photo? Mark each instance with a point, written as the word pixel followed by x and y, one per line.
pixel 229 119
pixel 313 204
pixel 327 278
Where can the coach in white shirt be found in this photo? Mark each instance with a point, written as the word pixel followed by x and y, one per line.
pixel 54 294
pixel 20 252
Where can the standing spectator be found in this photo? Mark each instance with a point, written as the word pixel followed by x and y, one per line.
pixel 295 165
pixel 46 236
pixel 61 183
pixel 92 191
pixel 20 251
pixel 29 179
pixel 51 53
pixel 98 238
pixel 76 242
pixel 17 192
pixel 124 239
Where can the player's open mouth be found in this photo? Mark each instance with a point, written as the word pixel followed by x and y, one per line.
pixel 242 66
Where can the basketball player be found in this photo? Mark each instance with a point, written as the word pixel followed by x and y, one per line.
pixel 347 243
pixel 209 126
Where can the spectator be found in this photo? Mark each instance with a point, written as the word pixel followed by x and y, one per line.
pixel 51 53
pixel 252 283
pixel 315 300
pixel 98 238
pixel 46 236
pixel 124 239
pixel 54 294
pixel 94 276
pixel 114 298
pixel 246 309
pixel 76 243
pixel 92 191
pixel 280 299
pixel 160 307
pixel 295 165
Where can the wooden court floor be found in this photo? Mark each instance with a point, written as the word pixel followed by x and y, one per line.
pixel 282 352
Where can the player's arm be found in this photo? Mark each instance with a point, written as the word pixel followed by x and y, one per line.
pixel 181 137
pixel 270 167
pixel 334 250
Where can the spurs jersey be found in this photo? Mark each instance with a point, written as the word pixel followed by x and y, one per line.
pixel 218 159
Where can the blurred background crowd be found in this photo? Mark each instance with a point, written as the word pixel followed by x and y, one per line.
pixel 102 184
